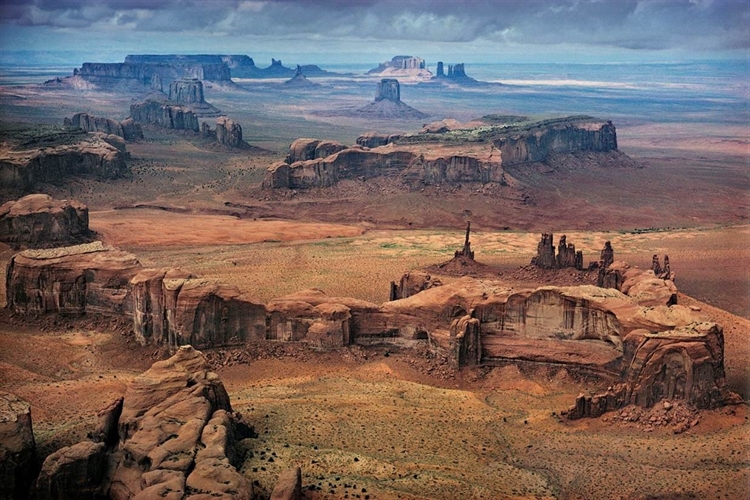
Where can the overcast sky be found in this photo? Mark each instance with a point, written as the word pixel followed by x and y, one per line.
pixel 324 31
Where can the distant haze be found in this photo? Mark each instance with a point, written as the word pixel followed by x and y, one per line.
pixel 358 31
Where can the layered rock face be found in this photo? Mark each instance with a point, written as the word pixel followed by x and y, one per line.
pixel 374 139
pixel 71 280
pixel 17 447
pixel 145 72
pixel 229 132
pixel 412 283
pixel 350 163
pixel 566 135
pixel 566 254
pixel 38 220
pixel 177 437
pixel 164 115
pixel 388 88
pixel 84 154
pixel 186 91
pixel 127 129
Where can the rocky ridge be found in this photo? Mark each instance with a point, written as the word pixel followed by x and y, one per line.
pixel 431 156
pixel 175 436
pixel 635 336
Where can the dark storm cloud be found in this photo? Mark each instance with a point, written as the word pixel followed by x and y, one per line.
pixel 632 24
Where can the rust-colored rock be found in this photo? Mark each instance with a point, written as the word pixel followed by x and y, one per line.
pixel 127 129
pixel 39 220
pixel 411 283
pixel 229 133
pixel 73 280
pixel 73 472
pixel 566 254
pixel 289 485
pixel 17 447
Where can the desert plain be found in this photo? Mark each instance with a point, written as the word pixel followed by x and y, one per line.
pixel 392 421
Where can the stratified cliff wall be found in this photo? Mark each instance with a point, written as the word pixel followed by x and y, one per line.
pixel 566 135
pixel 84 154
pixel 145 73
pixel 126 129
pixel 164 115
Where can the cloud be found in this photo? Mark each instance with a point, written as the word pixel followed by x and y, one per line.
pixel 629 24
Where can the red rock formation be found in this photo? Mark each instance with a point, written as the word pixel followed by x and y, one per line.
pixel 289 485
pixel 17 447
pixel 71 280
pixel 38 220
pixel 566 254
pixel 177 435
pixel 607 256
pixel 642 285
pixel 229 133
pixel 127 129
pixel 412 283
pixel 374 139
pixel 81 154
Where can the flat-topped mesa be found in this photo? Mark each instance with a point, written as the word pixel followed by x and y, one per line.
pixel 127 129
pixel 410 166
pixel 38 220
pixel 535 142
pixel 566 254
pixel 55 156
pixel 403 66
pixel 145 73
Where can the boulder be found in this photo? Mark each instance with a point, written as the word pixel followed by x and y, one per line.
pixel 73 472
pixel 39 220
pixel 289 485
pixel 17 447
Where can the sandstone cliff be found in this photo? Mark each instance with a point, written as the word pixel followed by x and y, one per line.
pixel 534 143
pixel 55 155
pixel 17 447
pixel 38 220
pixel 144 73
pixel 127 129
pixel 164 115
pixel 403 66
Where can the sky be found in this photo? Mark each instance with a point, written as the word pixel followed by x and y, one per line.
pixel 367 31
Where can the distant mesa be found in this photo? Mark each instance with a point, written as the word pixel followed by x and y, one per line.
pixel 388 104
pixel 165 115
pixel 403 66
pixel 299 80
pixel 455 74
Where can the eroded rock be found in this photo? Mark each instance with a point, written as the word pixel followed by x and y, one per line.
pixel 39 220
pixel 17 447
pixel 127 129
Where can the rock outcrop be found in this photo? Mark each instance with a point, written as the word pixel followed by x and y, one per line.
pixel 635 335
pixel 189 93
pixel 413 167
pixel 71 280
pixel 388 104
pixel 455 75
pixel 127 129
pixel 17 448
pixel 289 485
pixel 145 72
pixel 161 114
pixel 38 220
pixel 177 439
pixel 535 142
pixel 473 152
pixel 566 254
pixel 56 156
pixel 643 285
pixel 229 133
pixel 312 149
